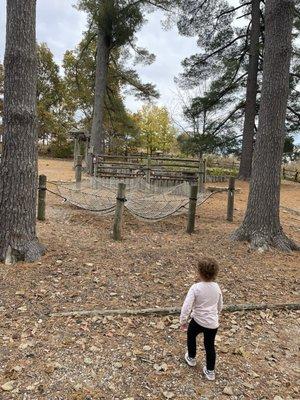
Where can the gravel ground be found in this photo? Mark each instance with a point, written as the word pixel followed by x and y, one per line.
pixel 83 358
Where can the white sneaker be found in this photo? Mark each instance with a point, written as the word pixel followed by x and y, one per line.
pixel 189 360
pixel 210 375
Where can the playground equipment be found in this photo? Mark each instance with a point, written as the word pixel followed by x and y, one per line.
pixel 149 202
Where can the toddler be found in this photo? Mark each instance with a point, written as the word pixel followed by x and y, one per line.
pixel 204 303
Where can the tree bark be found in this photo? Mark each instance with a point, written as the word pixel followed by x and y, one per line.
pixel 251 94
pixel 261 225
pixel 18 169
pixel 102 59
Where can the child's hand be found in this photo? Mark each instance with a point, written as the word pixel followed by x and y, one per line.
pixel 184 327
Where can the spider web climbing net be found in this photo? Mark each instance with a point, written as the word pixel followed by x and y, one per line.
pixel 149 202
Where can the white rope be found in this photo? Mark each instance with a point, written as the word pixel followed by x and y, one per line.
pixel 144 201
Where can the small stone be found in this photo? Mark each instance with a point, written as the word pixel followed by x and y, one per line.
pixel 161 368
pixel 88 361
pixel 111 387
pixel 147 348
pixel 113 294
pixel 22 309
pixel 8 386
pixel 278 398
pixel 118 365
pixel 78 387
pixel 20 293
pixel 59 262
pixel 248 385
pixel 168 395
pixel 25 345
pixel 89 264
pixel 160 325
pixel 94 349
pixel 52 366
pixel 228 390
pixel 17 368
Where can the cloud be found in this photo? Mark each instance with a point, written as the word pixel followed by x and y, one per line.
pixel 59 24
pixel 170 49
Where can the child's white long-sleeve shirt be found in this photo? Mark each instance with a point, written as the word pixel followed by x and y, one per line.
pixel 203 302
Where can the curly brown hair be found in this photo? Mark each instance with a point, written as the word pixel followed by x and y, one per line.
pixel 208 269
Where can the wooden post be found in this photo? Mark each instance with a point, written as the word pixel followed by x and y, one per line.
pixel 192 209
pixel 95 171
pixel 230 203
pixel 204 170
pixel 200 175
pixel 78 171
pixel 75 151
pixel 117 230
pixel 148 175
pixel 296 176
pixel 283 173
pixel 42 197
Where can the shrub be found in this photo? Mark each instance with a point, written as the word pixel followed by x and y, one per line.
pixel 61 149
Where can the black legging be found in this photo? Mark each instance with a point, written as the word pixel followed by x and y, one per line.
pixel 209 343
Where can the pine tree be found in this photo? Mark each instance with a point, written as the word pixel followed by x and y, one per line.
pixel 261 225
pixel 18 170
pixel 115 23
pixel 232 59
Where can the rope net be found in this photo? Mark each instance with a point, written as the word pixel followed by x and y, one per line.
pixel 148 202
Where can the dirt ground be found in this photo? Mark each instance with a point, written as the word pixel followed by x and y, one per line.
pixel 137 358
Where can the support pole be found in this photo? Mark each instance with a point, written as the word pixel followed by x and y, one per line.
pixel 117 230
pixel 204 171
pixel 76 146
pixel 230 203
pixel 95 171
pixel 192 209
pixel 42 197
pixel 148 169
pixel 201 175
pixel 78 171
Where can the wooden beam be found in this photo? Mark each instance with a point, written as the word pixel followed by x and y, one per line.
pixel 175 310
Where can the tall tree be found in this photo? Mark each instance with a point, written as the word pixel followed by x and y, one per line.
pixel 55 116
pixel 18 170
pixel 79 72
pixel 231 57
pixel 251 93
pixel 261 225
pixel 156 130
pixel 115 24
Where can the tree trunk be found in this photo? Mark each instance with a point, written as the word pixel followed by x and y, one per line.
pixel 97 133
pixel 261 224
pixel 250 108
pixel 18 169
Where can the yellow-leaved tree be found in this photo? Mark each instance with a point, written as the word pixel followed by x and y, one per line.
pixel 156 130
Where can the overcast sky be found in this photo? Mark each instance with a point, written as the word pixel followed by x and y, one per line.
pixel 60 25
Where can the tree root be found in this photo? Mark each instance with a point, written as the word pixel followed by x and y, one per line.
pixel 29 251
pixel 263 241
pixel 175 310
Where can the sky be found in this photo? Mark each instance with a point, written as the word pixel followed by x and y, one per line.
pixel 60 25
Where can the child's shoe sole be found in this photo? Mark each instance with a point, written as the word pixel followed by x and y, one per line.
pixel 191 363
pixel 208 376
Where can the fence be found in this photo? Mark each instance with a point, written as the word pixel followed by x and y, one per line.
pixel 164 171
pixel 290 174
